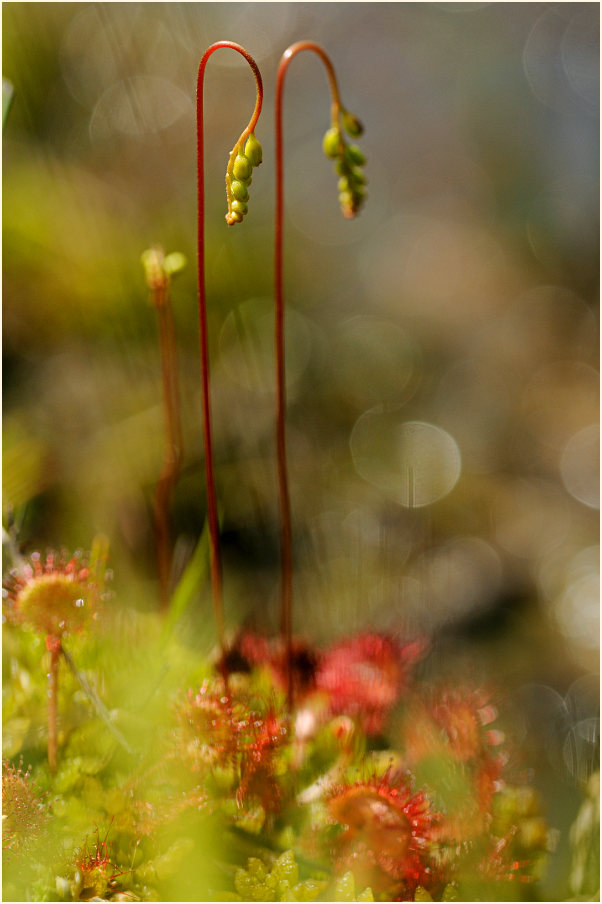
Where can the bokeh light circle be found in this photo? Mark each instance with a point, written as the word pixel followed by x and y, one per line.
pixel 581 749
pixel 580 54
pixel 136 106
pixel 580 466
pixel 414 462
pixel 542 62
pixel 577 611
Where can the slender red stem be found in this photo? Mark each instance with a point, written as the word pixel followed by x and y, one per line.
pixel 215 563
pixel 286 587
pixel 53 644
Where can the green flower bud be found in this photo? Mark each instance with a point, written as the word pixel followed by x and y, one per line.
pixel 354 155
pixel 351 124
pixel 358 177
pixel 331 143
pixel 240 207
pixel 239 191
pixel 343 184
pixel 253 150
pixel 242 168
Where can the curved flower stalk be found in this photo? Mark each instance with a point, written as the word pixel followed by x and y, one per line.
pixel 245 155
pixel 348 162
pixel 158 270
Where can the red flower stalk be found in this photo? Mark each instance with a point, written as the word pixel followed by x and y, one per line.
pixel 233 216
pixel 158 271
pixel 388 830
pixel 350 200
pixel 53 596
pixel 364 677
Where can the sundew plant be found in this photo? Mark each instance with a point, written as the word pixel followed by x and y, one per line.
pixel 299 504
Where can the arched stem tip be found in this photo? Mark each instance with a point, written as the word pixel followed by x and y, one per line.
pixel 237 194
pixel 348 159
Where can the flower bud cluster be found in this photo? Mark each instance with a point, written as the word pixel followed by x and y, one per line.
pixel 239 178
pixel 348 163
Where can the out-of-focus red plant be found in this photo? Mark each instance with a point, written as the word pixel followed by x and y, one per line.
pixel 362 677
pixel 223 735
pixel 24 812
pixel 95 874
pixel 388 831
pixel 449 728
pixel 365 676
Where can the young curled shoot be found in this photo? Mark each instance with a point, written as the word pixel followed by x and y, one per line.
pixel 159 269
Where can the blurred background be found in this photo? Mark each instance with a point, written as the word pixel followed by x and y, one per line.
pixel 442 370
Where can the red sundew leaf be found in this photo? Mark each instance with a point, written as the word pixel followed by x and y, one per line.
pixel 53 595
pixel 388 829
pixel 365 676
